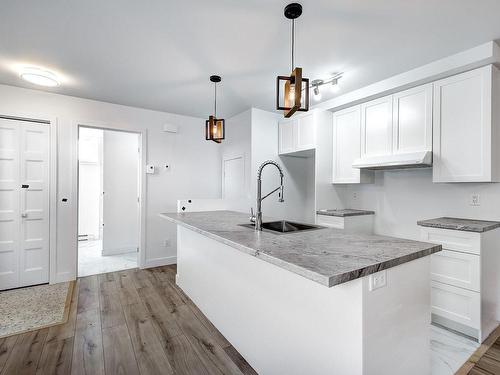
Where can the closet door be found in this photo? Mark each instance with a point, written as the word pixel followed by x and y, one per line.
pixel 10 217
pixel 34 177
pixel 24 203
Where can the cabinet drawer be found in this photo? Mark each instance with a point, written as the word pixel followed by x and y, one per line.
pixel 467 242
pixel 456 304
pixel 330 221
pixel 454 268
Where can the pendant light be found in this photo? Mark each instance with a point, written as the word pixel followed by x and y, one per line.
pixel 215 127
pixel 292 92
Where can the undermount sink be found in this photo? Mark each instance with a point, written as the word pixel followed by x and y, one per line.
pixel 284 226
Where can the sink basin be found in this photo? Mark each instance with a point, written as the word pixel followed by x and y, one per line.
pixel 284 226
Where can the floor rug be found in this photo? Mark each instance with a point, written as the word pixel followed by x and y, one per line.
pixel 27 309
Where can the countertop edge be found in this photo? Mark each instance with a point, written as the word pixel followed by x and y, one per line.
pixel 350 214
pixel 328 281
pixel 463 228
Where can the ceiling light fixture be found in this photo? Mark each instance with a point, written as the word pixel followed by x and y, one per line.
pixel 335 87
pixel 39 77
pixel 316 84
pixel 292 92
pixel 215 127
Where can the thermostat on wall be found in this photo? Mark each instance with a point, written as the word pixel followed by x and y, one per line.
pixel 150 169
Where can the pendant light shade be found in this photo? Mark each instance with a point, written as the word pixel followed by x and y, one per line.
pixel 215 127
pixel 292 92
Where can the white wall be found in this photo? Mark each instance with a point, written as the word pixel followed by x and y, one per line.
pixel 194 164
pixel 121 190
pixel 400 198
pixel 90 182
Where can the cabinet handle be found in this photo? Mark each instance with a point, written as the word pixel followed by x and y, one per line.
pixel 24 215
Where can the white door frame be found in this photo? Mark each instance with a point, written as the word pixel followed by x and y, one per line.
pixel 142 181
pixel 52 123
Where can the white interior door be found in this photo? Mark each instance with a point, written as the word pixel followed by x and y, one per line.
pixel 24 203
pixel 121 192
pixel 233 183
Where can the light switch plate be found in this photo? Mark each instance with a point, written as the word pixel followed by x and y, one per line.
pixel 150 169
pixel 377 280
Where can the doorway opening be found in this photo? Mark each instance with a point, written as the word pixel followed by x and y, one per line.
pixel 108 200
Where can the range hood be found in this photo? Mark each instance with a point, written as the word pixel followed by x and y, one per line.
pixel 420 159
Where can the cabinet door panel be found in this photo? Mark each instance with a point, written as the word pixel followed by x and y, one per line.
pixel 306 132
pixel 454 268
pixel 412 121
pixel 346 145
pixel 456 304
pixel 286 137
pixel 462 127
pixel 376 126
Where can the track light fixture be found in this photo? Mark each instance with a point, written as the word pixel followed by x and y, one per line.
pixel 317 83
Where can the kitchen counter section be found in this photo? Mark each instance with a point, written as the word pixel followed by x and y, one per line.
pixel 345 212
pixel 327 256
pixel 465 225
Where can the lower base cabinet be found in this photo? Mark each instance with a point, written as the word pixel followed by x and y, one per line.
pixel 465 280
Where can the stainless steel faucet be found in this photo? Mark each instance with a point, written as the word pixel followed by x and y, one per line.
pixel 258 215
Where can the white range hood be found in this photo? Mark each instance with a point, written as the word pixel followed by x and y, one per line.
pixel 420 159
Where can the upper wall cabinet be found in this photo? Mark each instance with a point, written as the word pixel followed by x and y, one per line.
pixel 466 110
pixel 376 127
pixel 297 134
pixel 396 130
pixel 347 147
pixel 412 120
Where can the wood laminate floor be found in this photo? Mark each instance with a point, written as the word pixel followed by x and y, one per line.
pixel 125 322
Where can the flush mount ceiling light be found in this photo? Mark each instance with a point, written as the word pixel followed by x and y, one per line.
pixel 292 92
pixel 39 77
pixel 317 83
pixel 215 127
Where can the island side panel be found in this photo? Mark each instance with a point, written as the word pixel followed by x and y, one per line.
pixel 396 321
pixel 279 321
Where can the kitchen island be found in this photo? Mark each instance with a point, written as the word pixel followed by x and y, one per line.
pixel 312 302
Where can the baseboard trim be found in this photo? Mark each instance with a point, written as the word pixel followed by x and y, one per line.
pixel 157 262
pixel 63 277
pixel 122 250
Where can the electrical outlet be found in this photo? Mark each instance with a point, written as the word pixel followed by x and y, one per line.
pixel 166 242
pixel 355 196
pixel 377 280
pixel 475 200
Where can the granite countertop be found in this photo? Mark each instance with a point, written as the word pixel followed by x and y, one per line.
pixel 344 212
pixel 465 225
pixel 327 255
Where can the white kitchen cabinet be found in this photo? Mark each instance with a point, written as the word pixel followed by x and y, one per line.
pixel 412 120
pixel 298 134
pixel 376 127
pixel 458 305
pixel 349 224
pixel 286 139
pixel 457 269
pixel 347 147
pixel 464 276
pixel 466 109
pixel 306 132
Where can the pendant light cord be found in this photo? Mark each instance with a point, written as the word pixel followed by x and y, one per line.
pixel 293 43
pixel 215 101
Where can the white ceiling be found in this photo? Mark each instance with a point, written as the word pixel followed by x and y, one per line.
pixel 158 54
